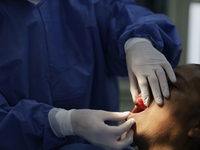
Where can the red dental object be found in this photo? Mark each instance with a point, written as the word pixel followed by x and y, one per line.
pixel 139 107
pixel 140 103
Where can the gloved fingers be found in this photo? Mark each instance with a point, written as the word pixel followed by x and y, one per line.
pixel 122 130
pixel 144 87
pixel 123 143
pixel 114 116
pixel 126 141
pixel 153 82
pixel 163 82
pixel 133 86
pixel 169 71
pixel 123 127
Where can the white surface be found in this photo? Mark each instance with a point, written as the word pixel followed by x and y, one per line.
pixel 193 45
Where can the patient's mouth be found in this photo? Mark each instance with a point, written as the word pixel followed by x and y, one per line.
pixel 139 107
pixel 136 110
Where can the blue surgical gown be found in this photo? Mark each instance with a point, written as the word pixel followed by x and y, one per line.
pixel 67 54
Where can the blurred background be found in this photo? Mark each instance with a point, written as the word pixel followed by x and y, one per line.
pixel 185 14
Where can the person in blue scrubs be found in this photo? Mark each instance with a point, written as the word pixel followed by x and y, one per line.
pixel 59 63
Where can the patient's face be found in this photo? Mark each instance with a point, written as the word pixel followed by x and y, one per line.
pixel 171 121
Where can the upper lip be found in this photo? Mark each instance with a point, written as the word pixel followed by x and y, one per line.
pixel 137 109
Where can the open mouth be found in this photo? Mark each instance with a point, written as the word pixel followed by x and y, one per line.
pixel 136 110
pixel 139 107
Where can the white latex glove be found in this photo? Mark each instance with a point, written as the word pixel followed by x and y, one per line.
pixel 147 66
pixel 60 122
pixel 89 124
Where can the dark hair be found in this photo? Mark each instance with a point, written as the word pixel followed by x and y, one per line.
pixel 196 112
pixel 198 90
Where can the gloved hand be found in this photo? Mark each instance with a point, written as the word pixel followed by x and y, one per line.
pixel 147 66
pixel 89 124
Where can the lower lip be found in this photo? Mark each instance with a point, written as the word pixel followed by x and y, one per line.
pixel 131 115
pixel 135 112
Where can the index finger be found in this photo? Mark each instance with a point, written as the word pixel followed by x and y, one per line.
pixel 125 126
pixel 114 116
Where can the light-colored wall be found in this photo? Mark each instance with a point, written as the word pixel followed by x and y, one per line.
pixel 178 13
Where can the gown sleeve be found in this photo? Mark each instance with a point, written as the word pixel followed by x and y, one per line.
pixel 26 126
pixel 126 20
